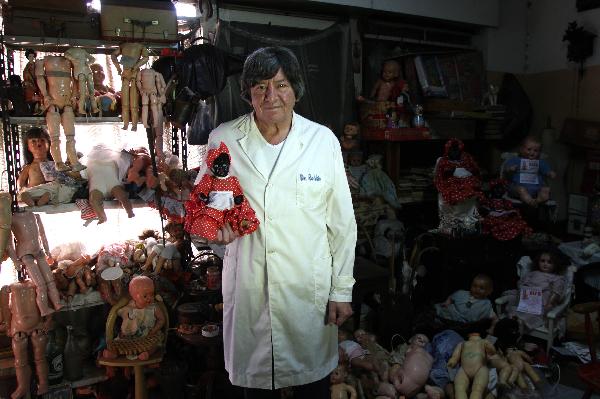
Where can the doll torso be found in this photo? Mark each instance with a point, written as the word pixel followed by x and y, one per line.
pixel 138 322
pixel 26 233
pixel 57 72
pixel 416 367
pixel 25 314
pixel 79 57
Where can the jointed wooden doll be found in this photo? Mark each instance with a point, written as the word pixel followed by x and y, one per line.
pixel 152 89
pixel 133 56
pixel 28 231
pixel 473 372
pixel 57 87
pixel 218 199
pixel 82 73
pixel 20 318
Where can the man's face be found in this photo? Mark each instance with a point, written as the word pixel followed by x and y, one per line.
pixel 39 148
pixel 480 288
pixel 273 100
pixel 531 150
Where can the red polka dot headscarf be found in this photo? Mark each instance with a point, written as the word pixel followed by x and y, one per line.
pixel 215 152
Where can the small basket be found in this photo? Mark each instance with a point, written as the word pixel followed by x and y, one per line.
pixel 135 346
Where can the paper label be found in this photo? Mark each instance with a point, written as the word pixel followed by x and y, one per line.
pixel 530 300
pixel 529 171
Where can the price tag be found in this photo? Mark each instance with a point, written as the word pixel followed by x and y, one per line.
pixel 530 300
pixel 529 170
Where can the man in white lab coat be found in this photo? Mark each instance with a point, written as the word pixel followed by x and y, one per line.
pixel 287 286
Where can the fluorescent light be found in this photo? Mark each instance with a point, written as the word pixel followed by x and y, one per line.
pixel 185 10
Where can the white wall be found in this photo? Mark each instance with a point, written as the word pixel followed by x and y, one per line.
pixel 478 12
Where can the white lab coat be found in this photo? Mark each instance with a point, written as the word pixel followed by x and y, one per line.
pixel 278 280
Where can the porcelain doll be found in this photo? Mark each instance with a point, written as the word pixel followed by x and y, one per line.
pixel 133 56
pixel 54 78
pixel 468 306
pixel 350 138
pixel 28 232
pixel 34 189
pixel 141 317
pixel 528 173
pixel 376 183
pixel 151 86
pixel 339 388
pixel 500 218
pixel 473 373
pixel 20 318
pixel 410 377
pixel 82 73
pixel 389 86
pixel 218 199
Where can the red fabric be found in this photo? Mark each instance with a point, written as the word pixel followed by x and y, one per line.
pixel 87 212
pixel 503 227
pixel 204 221
pixel 452 188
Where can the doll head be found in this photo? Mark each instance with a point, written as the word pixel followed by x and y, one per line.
pixel 141 289
pixel 363 338
pixel 30 54
pixel 390 71
pixel 374 161
pixel 547 262
pixel 355 158
pixel 97 75
pixel 481 286
pixel 351 130
pixel 453 149
pixel 338 375
pixel 37 142
pixel 419 340
pixel 530 148
pixel 218 160
pixel 175 230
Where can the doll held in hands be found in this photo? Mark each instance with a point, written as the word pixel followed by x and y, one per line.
pixel 218 199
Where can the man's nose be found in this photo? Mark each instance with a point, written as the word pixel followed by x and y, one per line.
pixel 270 91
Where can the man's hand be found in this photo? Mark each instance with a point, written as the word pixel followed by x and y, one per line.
pixel 339 312
pixel 225 235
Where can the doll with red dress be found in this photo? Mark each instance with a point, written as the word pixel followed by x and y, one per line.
pixel 501 219
pixel 457 174
pixel 218 199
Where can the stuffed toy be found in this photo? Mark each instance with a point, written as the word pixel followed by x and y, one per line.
pixel 218 199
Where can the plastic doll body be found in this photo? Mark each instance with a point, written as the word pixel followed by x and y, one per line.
pixel 520 361
pixel 339 388
pixel 22 320
pixel 82 73
pixel 151 85
pixel 411 377
pixel 55 81
pixel 28 231
pixel 472 355
pixel 133 56
pixel 389 86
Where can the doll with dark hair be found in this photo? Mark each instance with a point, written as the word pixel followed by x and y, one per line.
pixel 546 274
pixel 30 88
pixel 501 220
pixel 34 188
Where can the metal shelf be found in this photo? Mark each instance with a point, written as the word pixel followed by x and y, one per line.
pixel 61 44
pixel 40 120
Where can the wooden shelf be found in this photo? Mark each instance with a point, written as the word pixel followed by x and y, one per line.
pixel 71 207
pixel 62 44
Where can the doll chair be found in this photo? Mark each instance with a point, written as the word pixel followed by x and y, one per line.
pixel 589 373
pixel 549 208
pixel 137 364
pixel 556 323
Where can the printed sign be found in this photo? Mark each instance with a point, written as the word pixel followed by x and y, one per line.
pixel 531 300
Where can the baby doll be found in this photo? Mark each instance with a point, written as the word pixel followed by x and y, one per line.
pixel 410 377
pixel 358 357
pixel 389 86
pixel 142 316
pixel 457 174
pixel 472 355
pixel 78 273
pixel 218 199
pixel 546 274
pixel 350 139
pixel 501 219
pixel 33 187
pixel 527 173
pixel 339 388
pixel 469 306
pixel 381 357
pixel 520 361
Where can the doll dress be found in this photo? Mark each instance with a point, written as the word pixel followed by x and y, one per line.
pixel 137 323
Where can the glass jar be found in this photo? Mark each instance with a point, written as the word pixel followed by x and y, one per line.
pixel 213 278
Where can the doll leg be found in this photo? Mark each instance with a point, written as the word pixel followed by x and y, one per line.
pixel 41 297
pixel 525 197
pixel 53 123
pixel 5 221
pixel 39 340
pixel 22 369
pixel 125 101
pixel 157 126
pixel 123 197
pixel 134 104
pixel 44 269
pixel 461 384
pixel 543 195
pixel 68 123
pixel 145 101
pixel 434 392
pixel 149 260
pixel 44 199
pixel 82 86
pixel 480 382
pixel 535 378
pixel 521 382
pixel 97 203
pixel 160 262
pixel 80 284
pixel 89 83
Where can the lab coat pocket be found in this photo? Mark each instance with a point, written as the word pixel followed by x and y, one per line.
pixel 322 280
pixel 310 188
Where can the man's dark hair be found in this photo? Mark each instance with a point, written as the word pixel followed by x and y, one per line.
pixel 264 63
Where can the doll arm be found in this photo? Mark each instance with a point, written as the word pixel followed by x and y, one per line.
pixel 43 238
pixel 160 87
pixel 12 254
pixel 115 60
pixel 454 359
pixel 90 59
pixel 138 82
pixel 160 320
pixel 40 79
pixel 5 315
pixel 143 59
pixel 23 177
pixel 350 390
pixel 375 89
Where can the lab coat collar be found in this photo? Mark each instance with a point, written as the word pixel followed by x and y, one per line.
pixel 246 126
